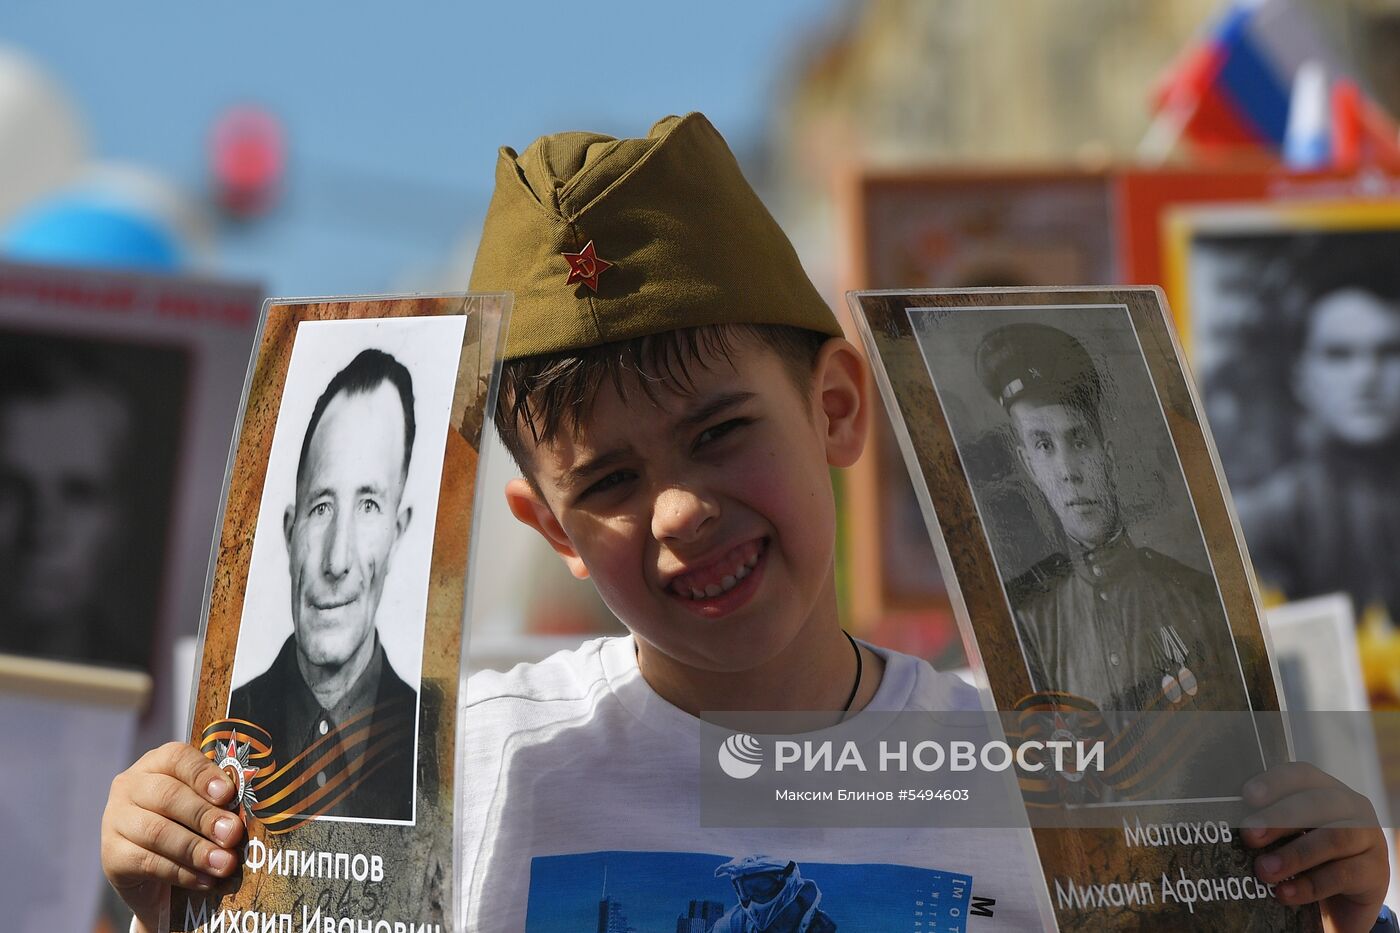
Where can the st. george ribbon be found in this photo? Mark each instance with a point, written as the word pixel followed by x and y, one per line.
pixel 284 797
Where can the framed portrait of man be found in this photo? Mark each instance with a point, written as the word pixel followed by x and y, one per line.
pixel 1067 481
pixel 334 616
pixel 90 433
pixel 115 389
pixel 331 657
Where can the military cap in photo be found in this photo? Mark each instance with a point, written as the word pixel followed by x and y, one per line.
pixel 1037 361
pixel 605 239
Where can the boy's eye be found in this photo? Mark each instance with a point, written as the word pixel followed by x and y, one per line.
pixel 720 430
pixel 369 507
pixel 321 509
pixel 613 479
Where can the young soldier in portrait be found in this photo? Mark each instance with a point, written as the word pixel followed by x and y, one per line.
pixel 1107 618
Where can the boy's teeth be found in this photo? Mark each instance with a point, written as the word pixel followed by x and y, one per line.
pixel 724 586
pixel 712 587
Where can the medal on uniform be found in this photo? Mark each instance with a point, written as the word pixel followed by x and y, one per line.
pixel 1181 684
pixel 1188 681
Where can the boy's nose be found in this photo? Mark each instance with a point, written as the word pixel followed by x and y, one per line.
pixel 681 513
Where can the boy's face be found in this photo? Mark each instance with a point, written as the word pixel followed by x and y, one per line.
pixel 706 520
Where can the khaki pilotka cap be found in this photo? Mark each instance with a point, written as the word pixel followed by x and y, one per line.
pixel 678 239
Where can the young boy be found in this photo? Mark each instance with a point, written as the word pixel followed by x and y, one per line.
pixel 675 394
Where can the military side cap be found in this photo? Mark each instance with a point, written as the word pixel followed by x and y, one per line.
pixel 1034 360
pixel 606 239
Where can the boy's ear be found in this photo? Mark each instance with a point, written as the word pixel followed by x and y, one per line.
pixel 842 397
pixel 527 506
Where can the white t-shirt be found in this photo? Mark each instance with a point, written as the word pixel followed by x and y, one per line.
pixel 581 811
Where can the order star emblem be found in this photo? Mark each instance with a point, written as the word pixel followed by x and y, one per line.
pixel 233 760
pixel 585 266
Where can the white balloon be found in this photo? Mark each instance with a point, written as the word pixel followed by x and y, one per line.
pixel 42 141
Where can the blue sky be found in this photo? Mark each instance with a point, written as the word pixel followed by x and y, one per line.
pixel 395 111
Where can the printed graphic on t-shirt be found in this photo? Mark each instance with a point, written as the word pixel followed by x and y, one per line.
pixel 691 892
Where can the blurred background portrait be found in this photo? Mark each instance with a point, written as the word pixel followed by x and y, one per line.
pixel 1296 333
pixel 89 433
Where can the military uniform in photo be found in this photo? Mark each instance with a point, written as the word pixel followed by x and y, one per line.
pixel 1119 625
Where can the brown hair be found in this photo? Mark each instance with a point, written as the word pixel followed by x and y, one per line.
pixel 554 392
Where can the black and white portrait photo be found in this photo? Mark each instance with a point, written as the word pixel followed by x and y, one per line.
pixel 1078 486
pixel 330 646
pixel 89 441
pixel 1088 517
pixel 1295 338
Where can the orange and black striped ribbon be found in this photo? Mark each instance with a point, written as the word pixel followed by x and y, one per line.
pixel 289 795
pixel 1137 758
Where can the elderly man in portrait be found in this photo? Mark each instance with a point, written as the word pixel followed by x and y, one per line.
pixel 1330 521
pixel 332 683
pixel 1106 618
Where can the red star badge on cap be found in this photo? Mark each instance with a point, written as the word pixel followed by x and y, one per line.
pixel 585 266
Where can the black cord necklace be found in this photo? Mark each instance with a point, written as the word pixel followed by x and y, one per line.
pixel 860 665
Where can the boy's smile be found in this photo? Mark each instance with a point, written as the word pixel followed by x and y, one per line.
pixel 706 517
pixel 708 580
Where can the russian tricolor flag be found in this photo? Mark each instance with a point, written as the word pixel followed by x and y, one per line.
pixel 1232 88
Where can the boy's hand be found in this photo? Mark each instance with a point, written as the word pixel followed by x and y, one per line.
pixel 1340 859
pixel 165 824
